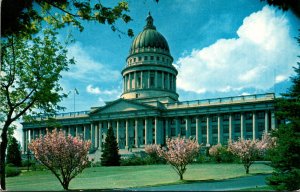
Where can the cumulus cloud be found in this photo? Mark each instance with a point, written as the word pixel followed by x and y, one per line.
pixel 262 49
pixel 86 68
pixel 96 91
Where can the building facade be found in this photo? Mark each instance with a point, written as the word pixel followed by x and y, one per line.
pixel 148 110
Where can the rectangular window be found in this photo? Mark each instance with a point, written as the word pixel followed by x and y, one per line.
pixel 172 131
pixel 146 58
pixel 157 58
pixel 140 58
pixel 225 128
pixel 214 129
pixel 193 130
pixel 249 116
pixel 248 127
pixel 237 116
pixel 237 128
pixel 261 127
pixel 260 115
pixel 225 117
pixel 151 58
pixel 214 118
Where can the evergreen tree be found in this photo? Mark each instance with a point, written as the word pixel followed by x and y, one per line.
pixel 14 153
pixel 285 156
pixel 110 154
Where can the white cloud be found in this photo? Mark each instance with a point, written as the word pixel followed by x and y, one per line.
pixel 86 68
pixel 249 61
pixel 97 91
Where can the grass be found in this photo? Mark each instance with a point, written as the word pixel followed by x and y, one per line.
pixel 130 176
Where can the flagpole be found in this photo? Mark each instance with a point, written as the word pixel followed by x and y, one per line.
pixel 74 101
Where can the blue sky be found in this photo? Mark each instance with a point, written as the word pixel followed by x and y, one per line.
pixel 220 48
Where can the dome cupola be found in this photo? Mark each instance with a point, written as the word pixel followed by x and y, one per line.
pixel 149 75
pixel 149 39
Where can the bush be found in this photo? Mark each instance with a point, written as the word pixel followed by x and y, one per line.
pixel 12 171
pixel 220 154
pixel 133 160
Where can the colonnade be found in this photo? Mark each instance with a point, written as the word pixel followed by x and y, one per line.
pixel 137 132
pixel 149 79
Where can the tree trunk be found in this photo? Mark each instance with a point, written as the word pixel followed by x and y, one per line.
pixel 66 184
pixel 181 176
pixel 247 169
pixel 3 147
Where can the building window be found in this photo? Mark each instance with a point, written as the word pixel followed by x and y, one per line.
pixel 193 120
pixel 173 122
pixel 140 58
pixel 203 119
pixel 225 129
pixel 151 79
pixel 136 95
pixel 226 117
pixel 138 82
pixel 237 128
pixel 182 121
pixel 163 59
pixel 183 131
pixel 172 131
pixel 151 58
pixel 157 58
pixel 249 116
pixel 134 59
pixel 146 58
pixel 193 130
pixel 248 127
pixel 261 127
pixel 214 118
pixel 237 116
pixel 261 115
pixel 214 129
pixel 203 130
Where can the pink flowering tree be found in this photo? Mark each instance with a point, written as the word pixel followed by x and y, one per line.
pixel 248 150
pixel 179 152
pixel 64 156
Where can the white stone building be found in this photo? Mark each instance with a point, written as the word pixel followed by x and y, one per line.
pixel 149 111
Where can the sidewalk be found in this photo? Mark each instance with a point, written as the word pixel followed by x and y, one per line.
pixel 224 185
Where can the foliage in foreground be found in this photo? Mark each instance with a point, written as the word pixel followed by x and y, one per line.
pixel 221 154
pixel 110 154
pixel 249 150
pixel 29 76
pixel 14 153
pixel 285 157
pixel 179 152
pixel 64 156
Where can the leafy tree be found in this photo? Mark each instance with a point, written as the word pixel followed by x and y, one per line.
pixel 110 154
pixel 29 75
pixel 285 156
pixel 249 150
pixel 14 153
pixel 179 153
pixel 64 156
pixel 24 17
pixel 285 5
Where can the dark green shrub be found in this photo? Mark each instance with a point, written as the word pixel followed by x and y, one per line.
pixel 12 171
pixel 14 153
pixel 110 154
pixel 220 154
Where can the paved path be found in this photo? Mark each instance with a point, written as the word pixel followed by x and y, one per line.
pixel 224 185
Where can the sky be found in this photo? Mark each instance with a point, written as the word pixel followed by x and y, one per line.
pixel 220 49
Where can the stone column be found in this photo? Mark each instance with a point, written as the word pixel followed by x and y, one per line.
pixel 130 82
pixel 157 131
pixel 76 130
pixel 168 81
pixel 208 131
pixel 162 80
pixel 220 129
pixel 135 80
pixel 273 122
pixel 100 134
pixel 92 135
pixel 254 126
pixel 242 126
pixel 142 80
pixel 69 130
pixel 136 130
pixel 146 131
pixel 118 132
pixel 127 134
pixel 156 80
pixel 266 121
pixel 177 127
pixel 84 132
pixel 149 75
pixel 198 131
pixel 96 135
pixel 231 132
pixel 187 127
pixel 167 127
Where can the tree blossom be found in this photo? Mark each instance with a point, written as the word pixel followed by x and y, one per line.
pixel 179 153
pixel 64 156
pixel 248 150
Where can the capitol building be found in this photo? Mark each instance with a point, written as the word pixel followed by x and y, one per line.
pixel 148 111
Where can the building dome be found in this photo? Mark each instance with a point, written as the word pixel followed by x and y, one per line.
pixel 149 38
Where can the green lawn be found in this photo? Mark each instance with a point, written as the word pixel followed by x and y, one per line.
pixel 131 176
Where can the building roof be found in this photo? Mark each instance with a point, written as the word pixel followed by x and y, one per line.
pixel 149 38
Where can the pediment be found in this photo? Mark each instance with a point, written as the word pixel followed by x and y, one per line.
pixel 122 105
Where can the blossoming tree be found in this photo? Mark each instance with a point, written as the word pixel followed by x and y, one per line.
pixel 179 153
pixel 64 156
pixel 248 150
